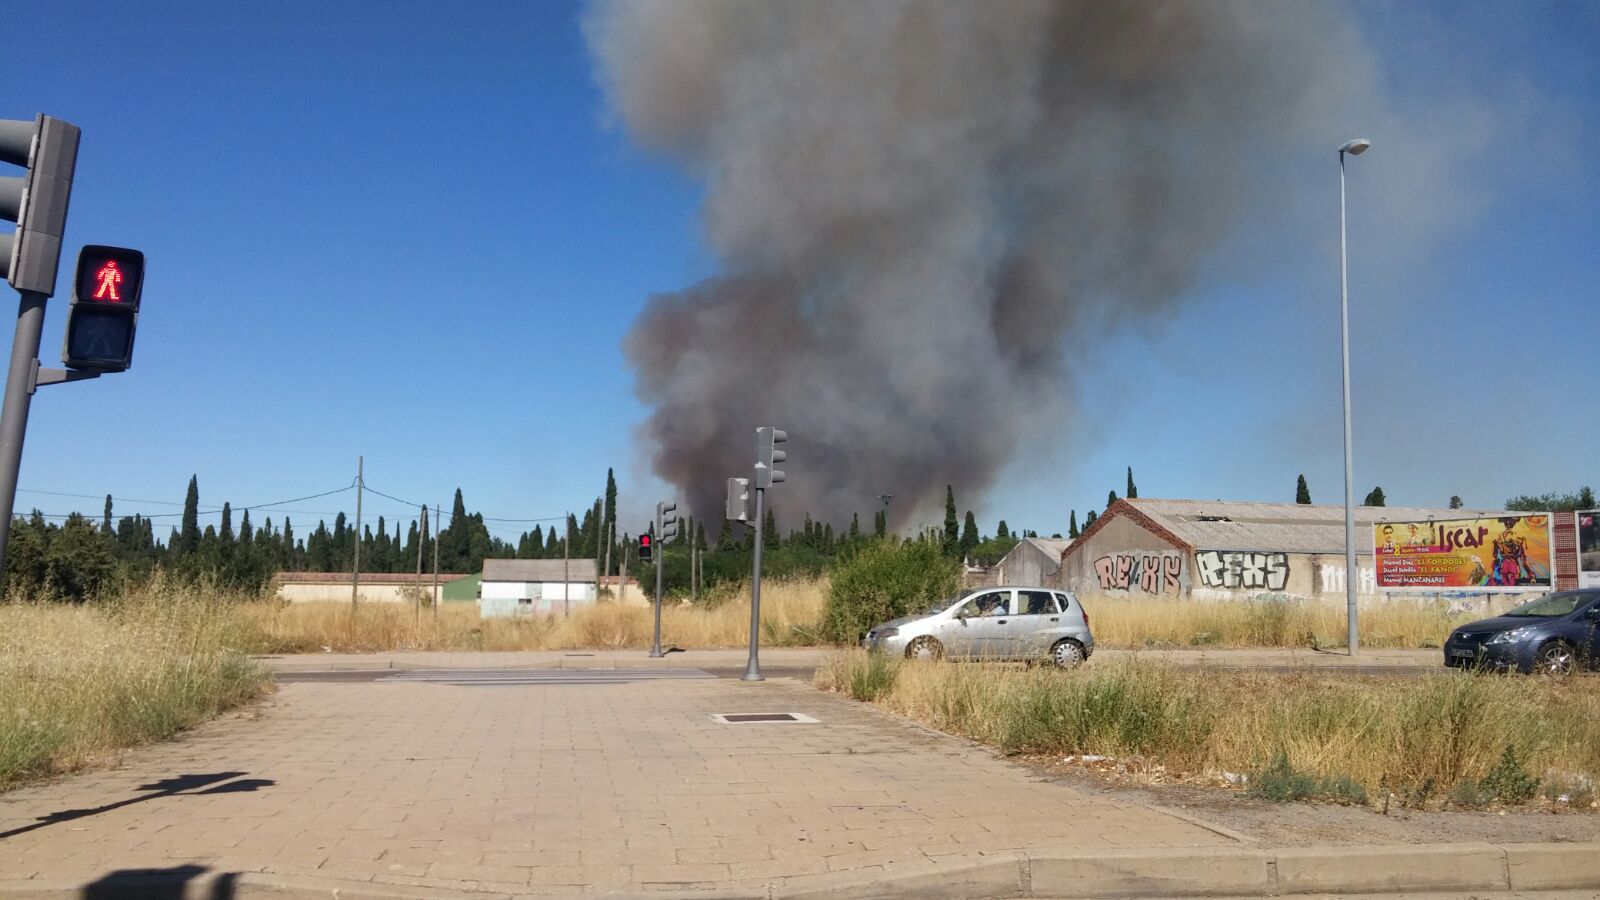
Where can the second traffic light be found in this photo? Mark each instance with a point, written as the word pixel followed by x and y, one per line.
pixel 667 519
pixel 738 500
pixel 768 456
pixel 646 548
pixel 104 313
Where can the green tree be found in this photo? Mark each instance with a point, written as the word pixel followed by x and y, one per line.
pixel 1002 531
pixel 1375 498
pixel 1088 520
pixel 245 536
pixel 769 531
pixel 1133 490
pixel 1302 493
pixel 189 534
pixel 225 534
pixel 1455 501
pixel 855 527
pixel 952 525
pixel 883 580
pixel 969 535
pixel 105 523
pixel 1111 499
pixel 1072 524
pixel 1583 498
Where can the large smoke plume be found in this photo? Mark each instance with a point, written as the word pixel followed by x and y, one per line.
pixel 920 208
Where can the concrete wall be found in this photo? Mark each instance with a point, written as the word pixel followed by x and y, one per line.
pixel 316 593
pixel 1027 564
pixel 1124 559
pixel 516 598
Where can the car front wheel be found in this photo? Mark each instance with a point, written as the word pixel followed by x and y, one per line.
pixel 1067 654
pixel 925 648
pixel 1554 658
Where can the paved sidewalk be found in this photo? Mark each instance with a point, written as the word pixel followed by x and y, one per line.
pixel 559 788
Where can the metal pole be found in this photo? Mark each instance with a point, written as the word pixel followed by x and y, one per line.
pixel 597 571
pixel 661 557
pixel 752 670
pixel 18 399
pixel 436 597
pixel 566 569
pixel 355 575
pixel 418 584
pixel 611 540
pixel 1351 575
pixel 622 570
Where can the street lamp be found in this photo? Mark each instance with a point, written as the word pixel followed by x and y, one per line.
pixel 1351 575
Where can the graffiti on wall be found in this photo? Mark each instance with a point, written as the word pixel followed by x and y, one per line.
pixel 1241 569
pixel 1151 573
pixel 1332 579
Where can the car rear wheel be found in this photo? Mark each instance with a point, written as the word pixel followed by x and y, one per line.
pixel 1067 654
pixel 1554 658
pixel 925 647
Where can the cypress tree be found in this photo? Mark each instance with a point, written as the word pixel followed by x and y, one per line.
pixel 855 527
pixel 952 525
pixel 1072 525
pixel 226 533
pixel 1002 532
pixel 246 537
pixel 188 540
pixel 769 531
pixel 1088 520
pixel 611 500
pixel 969 535
pixel 105 524
pixel 1133 490
pixel 1455 502
pixel 1302 494
pixel 827 537
pixel 1375 498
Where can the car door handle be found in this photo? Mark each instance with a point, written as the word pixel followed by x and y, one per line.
pixel 1002 621
pixel 1055 618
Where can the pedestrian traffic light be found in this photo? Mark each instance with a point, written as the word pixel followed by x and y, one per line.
pixel 105 309
pixel 768 456
pixel 37 201
pixel 738 500
pixel 645 548
pixel 667 518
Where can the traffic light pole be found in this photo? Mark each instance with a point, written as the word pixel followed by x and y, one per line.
pixel 752 670
pixel 18 400
pixel 661 558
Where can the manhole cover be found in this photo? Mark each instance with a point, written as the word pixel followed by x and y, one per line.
pixel 763 718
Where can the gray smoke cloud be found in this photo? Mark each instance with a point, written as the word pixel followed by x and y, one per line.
pixel 922 210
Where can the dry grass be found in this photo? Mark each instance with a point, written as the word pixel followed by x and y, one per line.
pixel 1265 623
pixel 789 613
pixel 79 681
pixel 1421 739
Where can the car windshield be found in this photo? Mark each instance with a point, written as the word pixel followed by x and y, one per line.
pixel 948 602
pixel 1553 605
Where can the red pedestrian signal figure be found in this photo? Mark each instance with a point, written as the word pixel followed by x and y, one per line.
pixel 108 277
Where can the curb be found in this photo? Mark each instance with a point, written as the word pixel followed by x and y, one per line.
pixel 1197 872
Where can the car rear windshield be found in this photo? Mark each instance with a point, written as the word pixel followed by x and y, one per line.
pixel 1553 605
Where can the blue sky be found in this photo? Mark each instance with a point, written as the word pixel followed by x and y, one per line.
pixel 409 232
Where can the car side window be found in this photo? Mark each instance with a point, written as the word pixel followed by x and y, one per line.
pixel 1036 603
pixel 970 609
pixel 995 603
pixel 1065 600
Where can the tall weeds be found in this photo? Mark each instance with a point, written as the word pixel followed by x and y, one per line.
pixel 77 681
pixel 789 613
pixel 1265 622
pixel 1418 737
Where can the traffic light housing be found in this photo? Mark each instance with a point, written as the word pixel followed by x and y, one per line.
pixel 37 201
pixel 646 547
pixel 738 500
pixel 667 518
pixel 105 309
pixel 768 456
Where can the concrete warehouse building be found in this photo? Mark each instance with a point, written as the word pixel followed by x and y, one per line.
pixel 519 587
pixel 376 587
pixel 1031 561
pixel 1217 550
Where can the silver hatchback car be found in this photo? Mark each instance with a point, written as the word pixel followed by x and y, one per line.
pixel 993 623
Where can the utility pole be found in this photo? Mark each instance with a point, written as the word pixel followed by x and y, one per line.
pixel 600 536
pixel 421 537
pixel 1352 577
pixel 355 576
pixel 611 539
pixel 566 567
pixel 436 598
pixel 622 569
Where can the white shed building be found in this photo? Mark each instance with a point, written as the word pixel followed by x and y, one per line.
pixel 522 587
pixel 1033 561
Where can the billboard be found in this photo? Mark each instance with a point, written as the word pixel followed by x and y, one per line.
pixel 1589 548
pixel 1504 553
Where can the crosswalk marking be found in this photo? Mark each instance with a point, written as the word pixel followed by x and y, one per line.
pixel 471 677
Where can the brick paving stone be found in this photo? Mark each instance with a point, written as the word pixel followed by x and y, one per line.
pixel 537 787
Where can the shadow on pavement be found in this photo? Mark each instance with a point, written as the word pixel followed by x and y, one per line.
pixel 167 787
pixel 160 884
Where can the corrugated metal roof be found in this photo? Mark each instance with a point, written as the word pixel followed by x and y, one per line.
pixel 574 571
pixel 1281 527
pixel 1051 547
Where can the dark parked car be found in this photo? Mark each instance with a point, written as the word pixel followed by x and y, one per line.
pixel 1556 634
